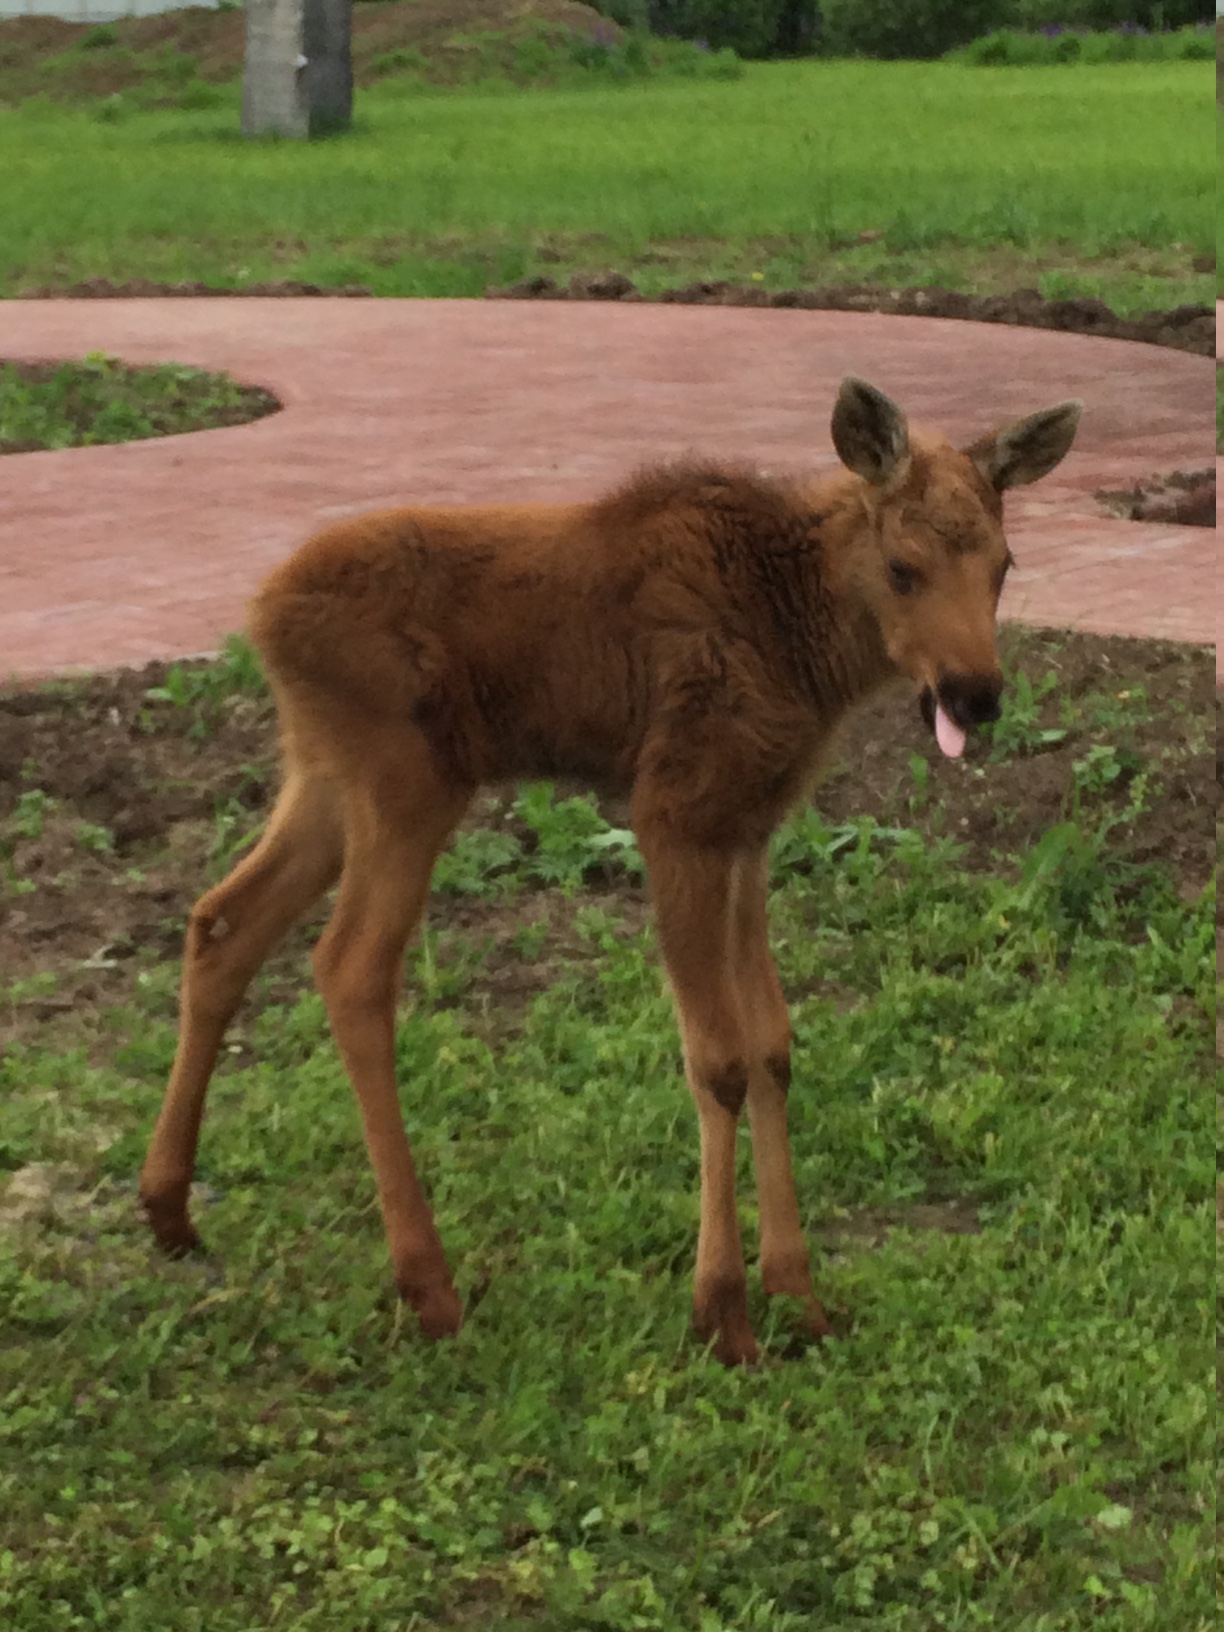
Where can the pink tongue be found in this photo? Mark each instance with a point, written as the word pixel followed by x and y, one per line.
pixel 948 734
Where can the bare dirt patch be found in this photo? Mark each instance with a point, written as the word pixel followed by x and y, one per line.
pixel 1184 498
pixel 117 809
pixel 145 55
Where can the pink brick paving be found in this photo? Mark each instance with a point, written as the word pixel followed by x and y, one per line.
pixel 117 555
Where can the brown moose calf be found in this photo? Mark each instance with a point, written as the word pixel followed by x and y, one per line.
pixel 691 640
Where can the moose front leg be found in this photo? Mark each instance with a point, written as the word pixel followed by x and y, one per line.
pixel 691 889
pixel 785 1266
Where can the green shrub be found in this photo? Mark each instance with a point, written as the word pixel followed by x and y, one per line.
pixel 198 93
pixel 1018 48
pixel 909 28
pixel 750 28
pixel 111 110
pixel 1104 14
pixel 179 67
pixel 97 39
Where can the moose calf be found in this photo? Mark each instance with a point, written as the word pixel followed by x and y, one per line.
pixel 690 640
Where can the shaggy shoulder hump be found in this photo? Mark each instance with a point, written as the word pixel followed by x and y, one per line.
pixel 687 485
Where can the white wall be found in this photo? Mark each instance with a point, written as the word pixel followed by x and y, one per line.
pixel 99 11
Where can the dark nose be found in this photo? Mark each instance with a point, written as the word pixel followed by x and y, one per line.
pixel 971 699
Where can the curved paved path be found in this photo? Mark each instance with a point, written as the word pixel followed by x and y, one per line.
pixel 116 555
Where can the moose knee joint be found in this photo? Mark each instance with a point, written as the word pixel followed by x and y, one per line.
pixel 729 1086
pixel 779 1068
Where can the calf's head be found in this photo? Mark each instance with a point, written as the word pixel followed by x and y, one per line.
pixel 933 556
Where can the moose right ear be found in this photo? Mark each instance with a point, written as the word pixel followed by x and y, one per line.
pixel 1030 449
pixel 869 432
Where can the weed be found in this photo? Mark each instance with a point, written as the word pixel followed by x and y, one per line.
pixel 1101 767
pixel 480 862
pixel 32 806
pixel 920 775
pixel 1019 730
pixel 205 689
pixel 807 842
pixel 572 839
pixel 100 841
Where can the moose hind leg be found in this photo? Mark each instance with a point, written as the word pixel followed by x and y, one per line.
pixel 394 828
pixel 231 930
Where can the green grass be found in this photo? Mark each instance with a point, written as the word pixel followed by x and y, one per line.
pixel 72 405
pixel 971 179
pixel 1014 1432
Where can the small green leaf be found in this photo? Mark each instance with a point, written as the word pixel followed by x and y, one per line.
pixel 1114 1517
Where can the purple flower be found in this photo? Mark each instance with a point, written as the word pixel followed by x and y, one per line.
pixel 1131 28
pixel 1052 30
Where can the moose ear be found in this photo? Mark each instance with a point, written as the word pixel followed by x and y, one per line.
pixel 1029 449
pixel 869 432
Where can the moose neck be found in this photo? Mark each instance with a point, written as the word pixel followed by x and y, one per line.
pixel 841 657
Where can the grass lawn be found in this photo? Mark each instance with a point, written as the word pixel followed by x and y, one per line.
pixel 1003 1118
pixel 1096 180
pixel 70 405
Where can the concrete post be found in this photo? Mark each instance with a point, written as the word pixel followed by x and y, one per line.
pixel 273 95
pixel 328 75
pixel 298 75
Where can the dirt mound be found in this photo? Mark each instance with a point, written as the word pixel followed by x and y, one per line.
pixel 1185 328
pixel 1186 498
pixel 444 41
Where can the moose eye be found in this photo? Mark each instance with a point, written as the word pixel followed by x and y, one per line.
pixel 903 578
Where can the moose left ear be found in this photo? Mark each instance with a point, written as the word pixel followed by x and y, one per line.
pixel 1029 449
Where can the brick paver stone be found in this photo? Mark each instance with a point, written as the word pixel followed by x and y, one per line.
pixel 116 555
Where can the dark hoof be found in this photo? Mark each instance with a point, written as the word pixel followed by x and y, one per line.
pixel 720 1314
pixel 813 1320
pixel 438 1309
pixel 172 1229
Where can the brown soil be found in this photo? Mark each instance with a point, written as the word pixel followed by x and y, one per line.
pixel 42 55
pixel 1185 328
pixel 149 800
pixel 1185 498
pixel 144 288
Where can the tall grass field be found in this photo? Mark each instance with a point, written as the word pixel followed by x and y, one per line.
pixel 1097 179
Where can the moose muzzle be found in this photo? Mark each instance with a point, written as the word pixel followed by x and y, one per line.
pixel 956 704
